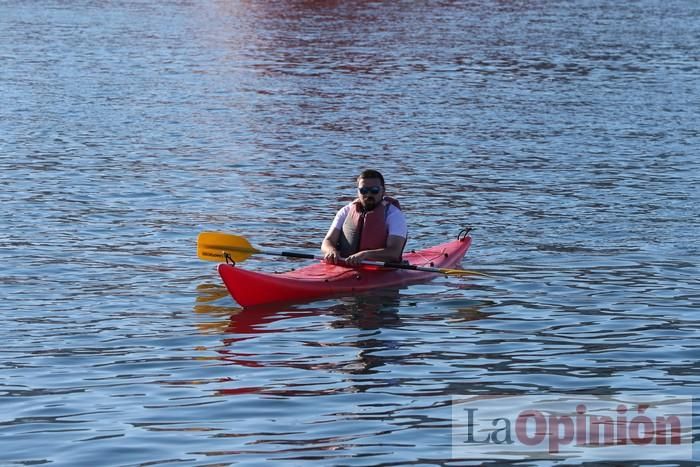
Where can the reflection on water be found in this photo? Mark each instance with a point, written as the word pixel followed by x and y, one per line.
pixel 364 312
pixel 566 132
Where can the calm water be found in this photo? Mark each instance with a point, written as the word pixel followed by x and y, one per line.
pixel 566 133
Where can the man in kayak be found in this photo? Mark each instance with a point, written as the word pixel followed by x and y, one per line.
pixel 372 227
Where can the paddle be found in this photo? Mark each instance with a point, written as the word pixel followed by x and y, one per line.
pixel 215 246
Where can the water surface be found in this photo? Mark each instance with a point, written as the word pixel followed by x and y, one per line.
pixel 565 133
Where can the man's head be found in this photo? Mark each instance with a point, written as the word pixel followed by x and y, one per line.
pixel 370 188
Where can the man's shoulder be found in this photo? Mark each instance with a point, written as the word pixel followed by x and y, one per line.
pixel 344 211
pixel 393 210
pixel 397 222
pixel 346 207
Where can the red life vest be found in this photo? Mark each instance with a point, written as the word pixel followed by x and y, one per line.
pixel 365 230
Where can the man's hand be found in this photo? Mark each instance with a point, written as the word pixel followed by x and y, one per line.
pixel 332 257
pixel 357 258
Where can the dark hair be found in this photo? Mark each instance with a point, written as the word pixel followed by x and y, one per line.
pixel 369 173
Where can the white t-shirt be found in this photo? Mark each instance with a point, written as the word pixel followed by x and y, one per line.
pixel 395 220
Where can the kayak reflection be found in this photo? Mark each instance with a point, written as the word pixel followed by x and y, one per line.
pixel 272 348
pixel 364 311
pixel 320 344
pixel 376 310
pixel 360 311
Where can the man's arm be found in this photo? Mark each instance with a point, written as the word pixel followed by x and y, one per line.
pixel 330 252
pixel 391 253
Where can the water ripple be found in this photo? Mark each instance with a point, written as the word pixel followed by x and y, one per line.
pixel 563 132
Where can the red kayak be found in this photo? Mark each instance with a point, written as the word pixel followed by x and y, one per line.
pixel 320 280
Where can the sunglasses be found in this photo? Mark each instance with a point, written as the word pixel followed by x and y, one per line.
pixel 374 190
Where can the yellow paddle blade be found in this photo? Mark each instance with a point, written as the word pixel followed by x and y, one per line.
pixel 462 272
pixel 211 246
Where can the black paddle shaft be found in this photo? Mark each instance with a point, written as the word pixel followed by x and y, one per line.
pixel 291 254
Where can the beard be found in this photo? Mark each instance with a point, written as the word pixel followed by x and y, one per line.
pixel 369 204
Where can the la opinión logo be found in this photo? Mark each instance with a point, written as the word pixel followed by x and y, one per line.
pixel 575 426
